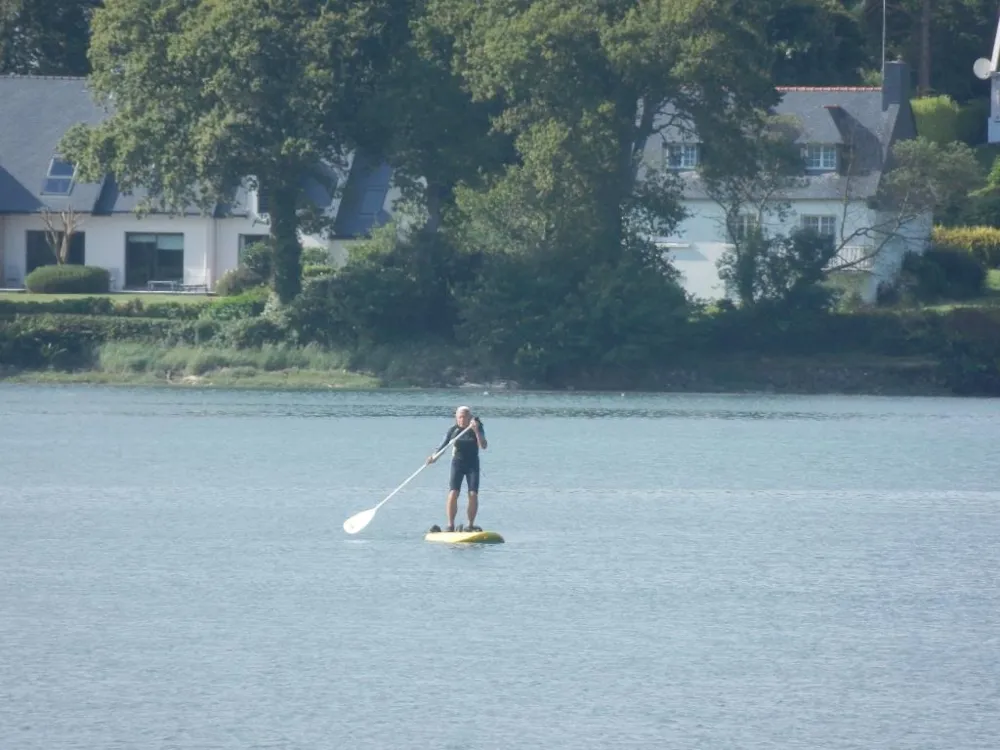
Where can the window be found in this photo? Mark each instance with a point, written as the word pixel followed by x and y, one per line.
pixel 742 225
pixel 38 251
pixel 821 157
pixel 681 155
pixel 59 179
pixel 246 240
pixel 825 226
pixel 153 257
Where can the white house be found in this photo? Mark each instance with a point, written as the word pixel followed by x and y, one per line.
pixel 193 250
pixel 159 250
pixel 846 134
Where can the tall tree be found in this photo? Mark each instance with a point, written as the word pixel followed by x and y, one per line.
pixel 45 37
pixel 815 43
pixel 582 85
pixel 940 40
pixel 207 95
pixel 426 124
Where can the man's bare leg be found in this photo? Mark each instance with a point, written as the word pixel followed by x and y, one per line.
pixel 451 508
pixel 473 507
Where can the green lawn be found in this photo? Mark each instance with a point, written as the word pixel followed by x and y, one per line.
pixel 116 297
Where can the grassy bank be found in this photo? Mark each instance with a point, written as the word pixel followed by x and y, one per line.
pixel 278 367
pixel 271 366
pixel 950 349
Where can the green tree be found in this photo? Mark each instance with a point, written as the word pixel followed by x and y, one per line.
pixel 208 96
pixel 582 85
pixel 816 43
pixel 45 37
pixel 425 124
pixel 939 39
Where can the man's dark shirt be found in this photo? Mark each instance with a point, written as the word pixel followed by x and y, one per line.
pixel 466 447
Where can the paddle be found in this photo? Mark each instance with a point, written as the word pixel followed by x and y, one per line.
pixel 358 521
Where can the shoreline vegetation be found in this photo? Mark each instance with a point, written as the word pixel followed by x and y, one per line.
pixel 801 376
pixel 51 339
pixel 520 248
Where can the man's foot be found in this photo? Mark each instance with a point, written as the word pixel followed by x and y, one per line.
pixel 449 528
pixel 472 527
pixel 435 529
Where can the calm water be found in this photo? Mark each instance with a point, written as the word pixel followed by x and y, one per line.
pixel 680 571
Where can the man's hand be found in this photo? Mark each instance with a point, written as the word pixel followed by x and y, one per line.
pixel 431 459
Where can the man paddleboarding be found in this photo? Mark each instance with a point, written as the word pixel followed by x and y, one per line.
pixel 464 464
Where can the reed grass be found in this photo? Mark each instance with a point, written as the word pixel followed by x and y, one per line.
pixel 272 364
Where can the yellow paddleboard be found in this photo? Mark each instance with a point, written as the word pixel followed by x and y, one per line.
pixel 464 537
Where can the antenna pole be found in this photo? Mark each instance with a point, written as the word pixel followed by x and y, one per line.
pixel 883 41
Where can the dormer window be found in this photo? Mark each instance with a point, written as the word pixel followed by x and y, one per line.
pixel 821 157
pixel 59 179
pixel 680 155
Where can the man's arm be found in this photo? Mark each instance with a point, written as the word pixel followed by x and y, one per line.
pixel 447 439
pixel 477 427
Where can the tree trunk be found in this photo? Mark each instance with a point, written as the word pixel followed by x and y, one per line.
pixel 924 78
pixel 287 282
pixel 436 195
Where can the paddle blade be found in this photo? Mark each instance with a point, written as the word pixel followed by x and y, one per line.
pixel 358 521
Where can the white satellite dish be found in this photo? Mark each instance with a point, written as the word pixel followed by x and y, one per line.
pixel 982 68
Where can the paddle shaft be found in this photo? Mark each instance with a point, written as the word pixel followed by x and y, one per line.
pixel 424 465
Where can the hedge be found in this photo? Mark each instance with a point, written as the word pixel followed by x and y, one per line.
pixel 133 308
pixel 68 279
pixel 247 304
pixel 100 328
pixel 983 242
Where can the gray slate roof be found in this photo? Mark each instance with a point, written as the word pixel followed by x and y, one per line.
pixel 35 112
pixel 869 119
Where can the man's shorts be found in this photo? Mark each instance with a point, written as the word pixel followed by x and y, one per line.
pixel 469 472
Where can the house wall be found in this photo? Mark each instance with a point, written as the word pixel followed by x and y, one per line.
pixel 4 281
pixel 698 243
pixel 211 245
pixel 913 236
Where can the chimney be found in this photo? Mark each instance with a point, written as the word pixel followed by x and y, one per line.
pixel 895 83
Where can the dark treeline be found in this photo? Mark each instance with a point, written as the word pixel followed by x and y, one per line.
pixel 815 42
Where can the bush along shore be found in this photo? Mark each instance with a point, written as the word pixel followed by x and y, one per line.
pixel 403 317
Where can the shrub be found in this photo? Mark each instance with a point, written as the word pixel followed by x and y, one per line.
pixel 557 317
pixel 75 306
pixel 238 280
pixel 131 308
pixel 386 295
pixel 100 328
pixel 312 271
pixel 315 256
pixel 970 356
pixel 258 257
pixel 937 118
pixel 68 280
pixel 25 344
pixel 942 120
pixel 983 242
pixel 246 305
pixel 251 333
pixel 940 273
